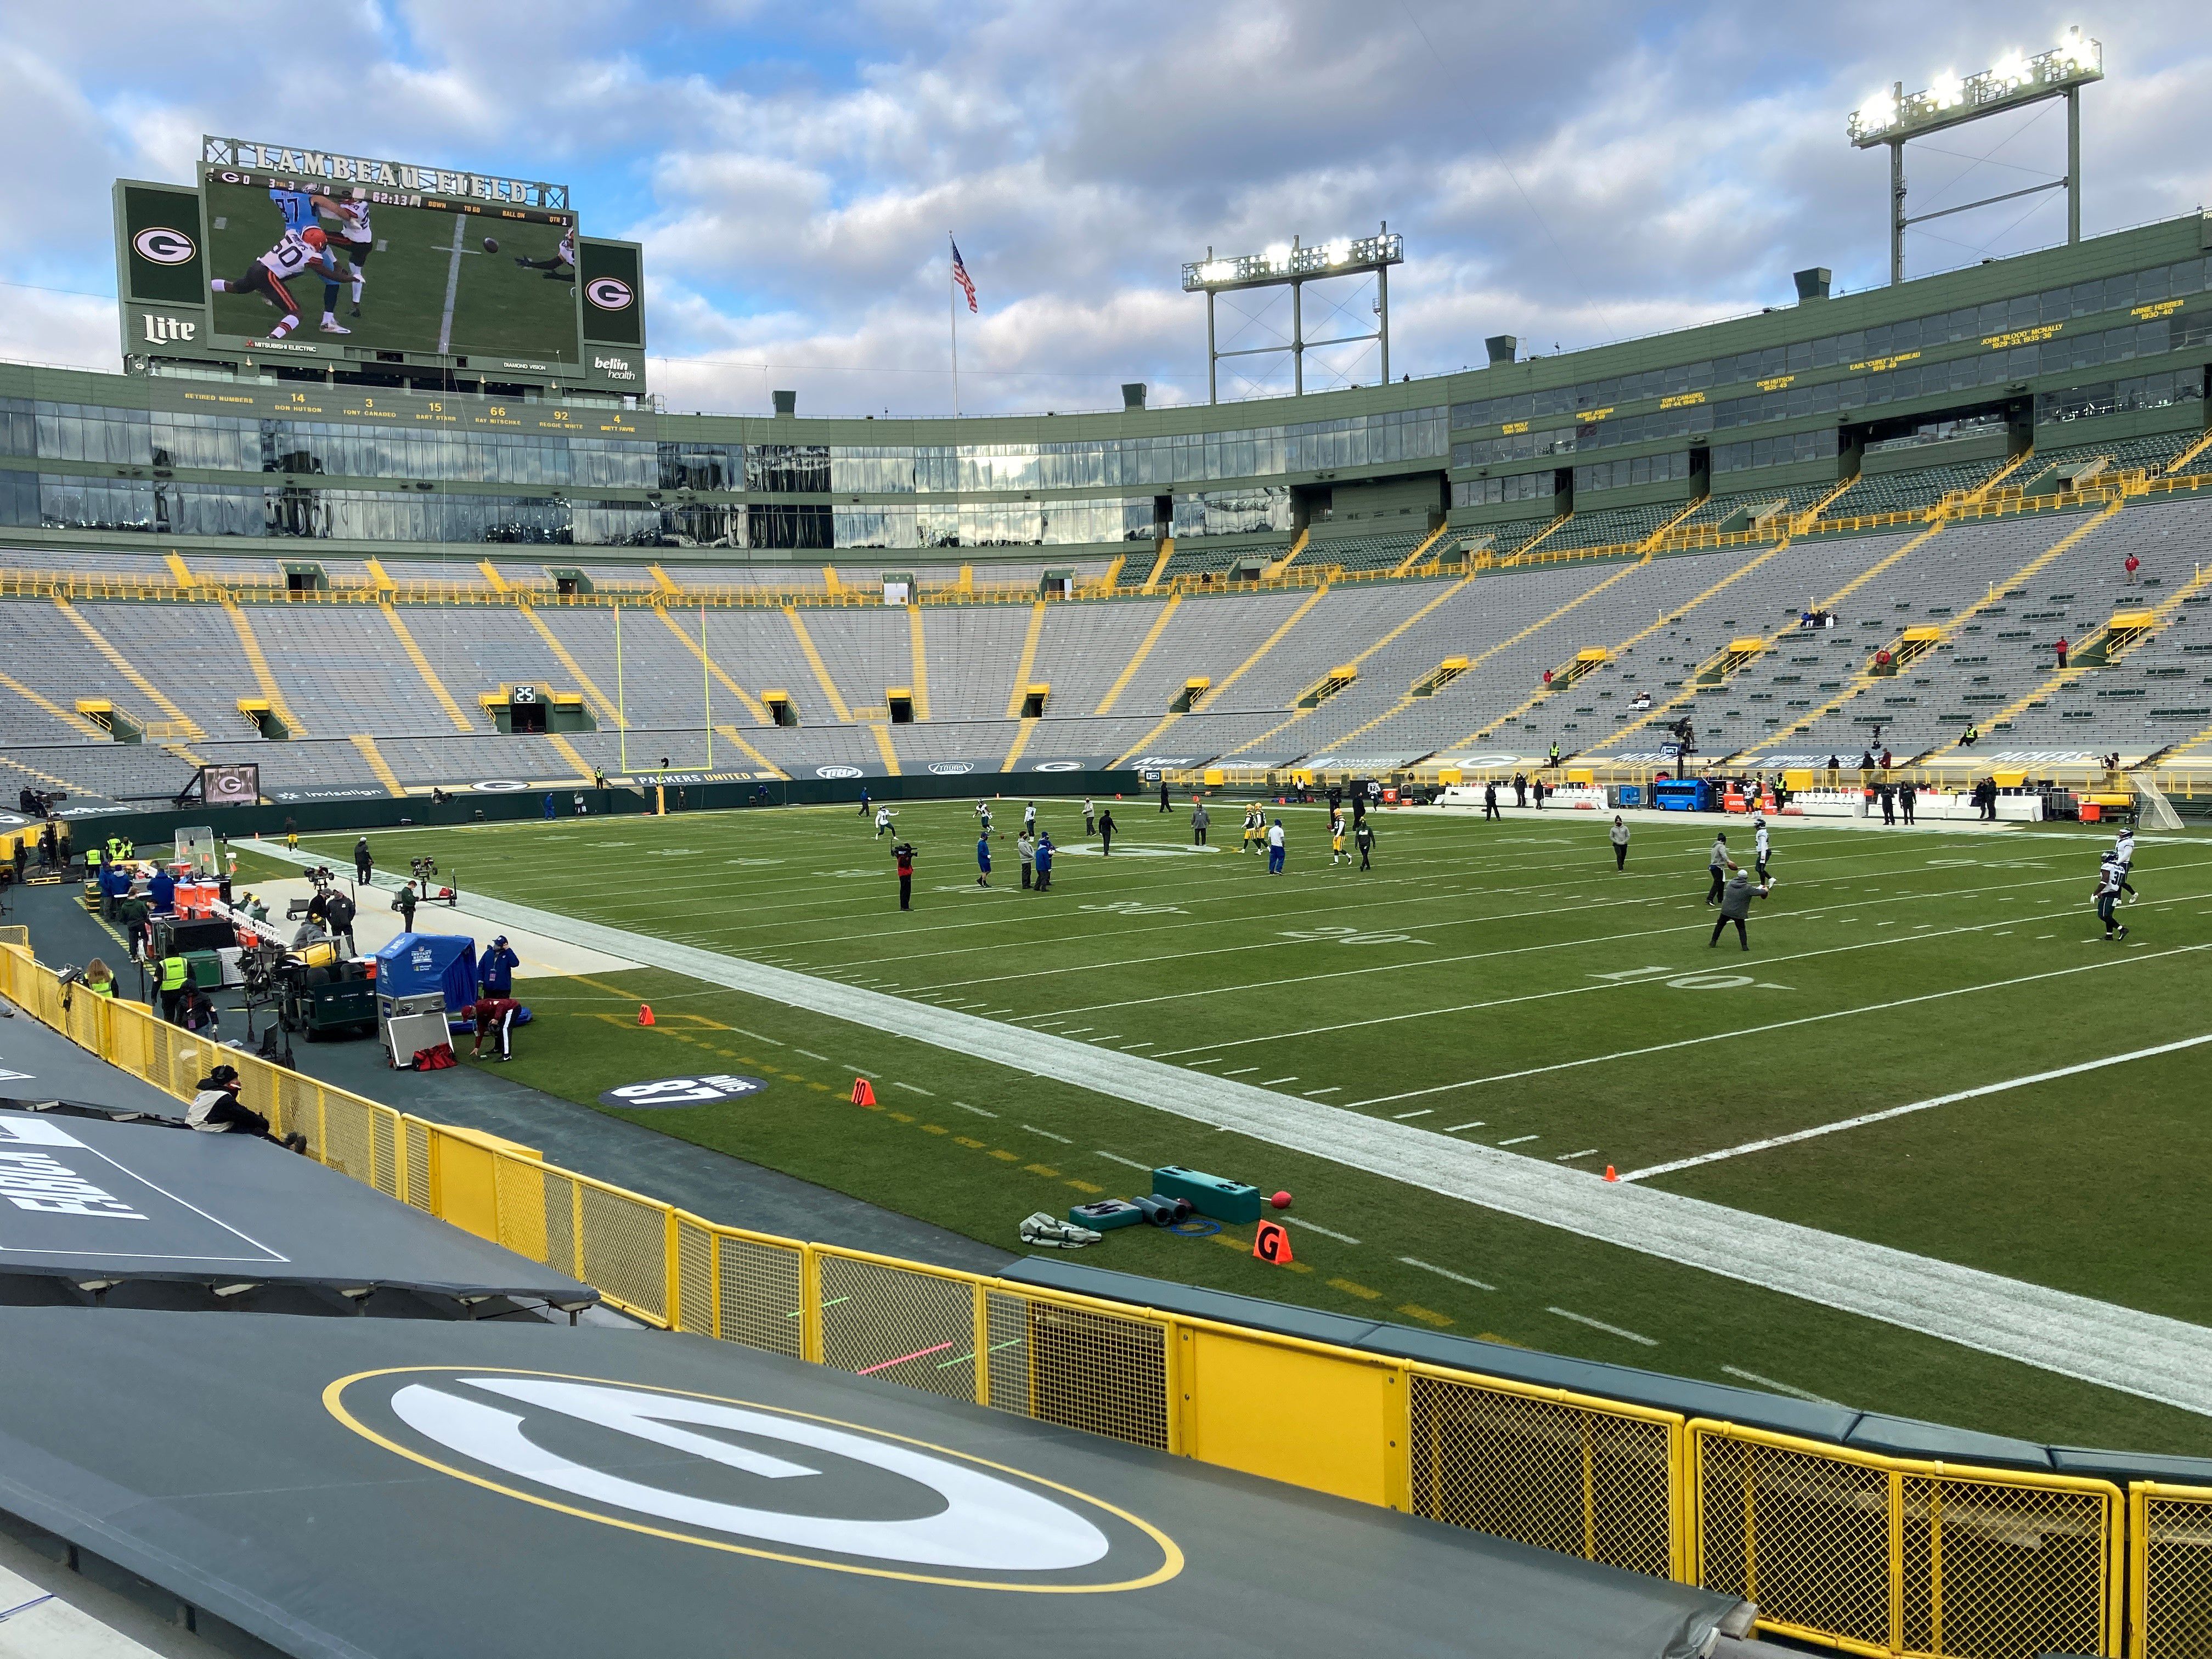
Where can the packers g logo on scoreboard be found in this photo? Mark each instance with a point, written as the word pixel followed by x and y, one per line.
pixel 164 247
pixel 610 294
pixel 753 1479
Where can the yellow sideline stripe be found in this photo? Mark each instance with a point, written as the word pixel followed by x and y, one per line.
pixel 918 683
pixel 1129 672
pixel 821 668
pixel 377 764
pixel 1022 670
pixel 121 664
pixel 560 655
pixel 881 734
pixel 752 704
pixel 422 667
pixel 262 676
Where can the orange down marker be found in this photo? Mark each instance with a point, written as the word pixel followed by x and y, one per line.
pixel 645 1013
pixel 863 1092
pixel 1272 1244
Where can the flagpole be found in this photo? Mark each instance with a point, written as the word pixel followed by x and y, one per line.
pixel 952 317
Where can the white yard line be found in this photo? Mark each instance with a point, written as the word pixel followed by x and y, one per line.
pixel 1517 1140
pixel 1864 1118
pixel 913 1088
pixel 1316 1227
pixel 1445 1273
pixel 2148 1355
pixel 1116 1157
pixel 1423 1111
pixel 1600 1325
pixel 1757 1381
pixel 1315 1094
pixel 1047 1135
pixel 978 1111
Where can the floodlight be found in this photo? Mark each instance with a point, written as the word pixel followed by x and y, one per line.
pixel 1292 264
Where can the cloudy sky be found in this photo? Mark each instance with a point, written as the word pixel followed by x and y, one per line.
pixel 1573 173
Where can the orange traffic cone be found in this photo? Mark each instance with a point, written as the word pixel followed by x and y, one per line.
pixel 1609 1175
pixel 863 1092
pixel 645 1013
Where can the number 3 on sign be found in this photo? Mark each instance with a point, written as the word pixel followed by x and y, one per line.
pixel 1272 1244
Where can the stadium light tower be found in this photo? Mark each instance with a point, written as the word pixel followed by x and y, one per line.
pixel 1293 266
pixel 1892 118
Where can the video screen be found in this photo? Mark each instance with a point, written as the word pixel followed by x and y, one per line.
pixel 230 785
pixel 390 271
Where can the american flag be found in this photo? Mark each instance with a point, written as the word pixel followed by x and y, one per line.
pixel 960 275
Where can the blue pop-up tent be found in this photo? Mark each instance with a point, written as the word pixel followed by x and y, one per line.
pixel 416 963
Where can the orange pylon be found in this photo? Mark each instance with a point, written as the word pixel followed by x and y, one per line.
pixel 1609 1175
pixel 645 1013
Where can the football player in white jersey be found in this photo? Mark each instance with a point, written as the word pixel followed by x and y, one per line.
pixel 298 253
pixel 355 240
pixel 564 256
pixel 2123 855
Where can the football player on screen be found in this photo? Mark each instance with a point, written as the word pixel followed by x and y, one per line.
pixel 564 255
pixel 297 253
pixel 354 239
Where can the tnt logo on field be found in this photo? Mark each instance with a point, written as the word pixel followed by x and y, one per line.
pixel 665 1093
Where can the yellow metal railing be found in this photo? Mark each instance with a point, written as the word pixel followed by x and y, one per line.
pixel 2169 1572
pixel 1874 1555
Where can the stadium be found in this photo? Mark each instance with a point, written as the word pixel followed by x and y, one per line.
pixel 1311 1010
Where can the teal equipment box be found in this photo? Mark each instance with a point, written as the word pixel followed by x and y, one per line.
pixel 1225 1200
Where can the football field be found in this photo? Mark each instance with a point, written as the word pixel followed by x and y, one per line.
pixel 1929 1047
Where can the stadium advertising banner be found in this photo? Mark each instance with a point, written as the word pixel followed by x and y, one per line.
pixel 161 267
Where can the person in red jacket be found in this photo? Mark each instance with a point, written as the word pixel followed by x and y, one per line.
pixel 492 1014
pixel 2061 648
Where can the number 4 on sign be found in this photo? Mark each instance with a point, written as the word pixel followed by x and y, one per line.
pixel 1272 1244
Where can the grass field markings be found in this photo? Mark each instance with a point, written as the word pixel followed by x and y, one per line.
pixel 1316 1227
pixel 1006 1157
pixel 1352 1287
pixel 1210 1060
pixel 1426 1316
pixel 1540 996
pixel 873 1077
pixel 995 1013
pixel 1270 1082
pixel 971 1143
pixel 1047 1135
pixel 1777 1025
pixel 1083 1186
pixel 1456 1128
pixel 1568 1157
pixel 1600 1325
pixel 811 1054
pixel 978 1111
pixel 1110 1037
pixel 1315 1094
pixel 1241 1071
pixel 1519 1141
pixel 1422 1111
pixel 1131 1047
pixel 1757 1381
pixel 1078 1030
pixel 1446 1273
pixel 1116 1157
pixel 914 1088
pixel 1952 1099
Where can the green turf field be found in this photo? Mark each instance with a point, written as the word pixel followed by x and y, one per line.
pixel 1498 983
pixel 497 307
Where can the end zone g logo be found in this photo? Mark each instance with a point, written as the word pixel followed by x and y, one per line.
pixel 699 1470
pixel 164 247
pixel 609 293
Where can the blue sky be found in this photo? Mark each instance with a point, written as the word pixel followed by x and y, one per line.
pixel 1570 174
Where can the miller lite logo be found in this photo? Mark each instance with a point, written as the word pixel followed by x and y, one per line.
pixel 160 330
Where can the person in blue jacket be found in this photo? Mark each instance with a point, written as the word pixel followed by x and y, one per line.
pixel 983 859
pixel 163 890
pixel 1044 860
pixel 496 971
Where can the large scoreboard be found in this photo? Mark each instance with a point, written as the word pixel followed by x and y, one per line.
pixel 481 279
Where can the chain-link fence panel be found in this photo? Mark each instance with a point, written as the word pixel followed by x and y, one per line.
pixel 759 1288
pixel 1804 1534
pixel 1576 1478
pixel 905 1326
pixel 2170 1571
pixel 625 1247
pixel 2005 1570
pixel 1082 1368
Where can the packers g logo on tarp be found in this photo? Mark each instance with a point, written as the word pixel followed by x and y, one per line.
pixel 609 293
pixel 859 1501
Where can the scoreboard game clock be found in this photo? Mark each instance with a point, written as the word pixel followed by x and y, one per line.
pixel 360 270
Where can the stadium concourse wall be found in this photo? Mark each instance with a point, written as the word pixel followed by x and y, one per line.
pixel 1871 1552
pixel 643 796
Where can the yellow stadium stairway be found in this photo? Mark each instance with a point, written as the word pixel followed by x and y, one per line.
pixel 377 764
pixel 1534 541
pixel 1658 537
pixel 423 667
pixel 1590 593
pixel 491 574
pixel 271 693
pixel 83 723
pixel 762 761
pixel 1304 540
pixel 1236 674
pixel 1384 643
pixel 146 688
pixel 2127 629
pixel 2181 465
pixel 821 668
pixel 1160 564
pixel 1017 693
pixel 1137 658
pixel 752 704
pixel 1866 677
pixel 566 751
pixel 917 683
pixel 1834 601
pixel 608 708
pixel 1414 557
pixel 881 734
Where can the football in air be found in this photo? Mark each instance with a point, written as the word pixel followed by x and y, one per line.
pixel 491 245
